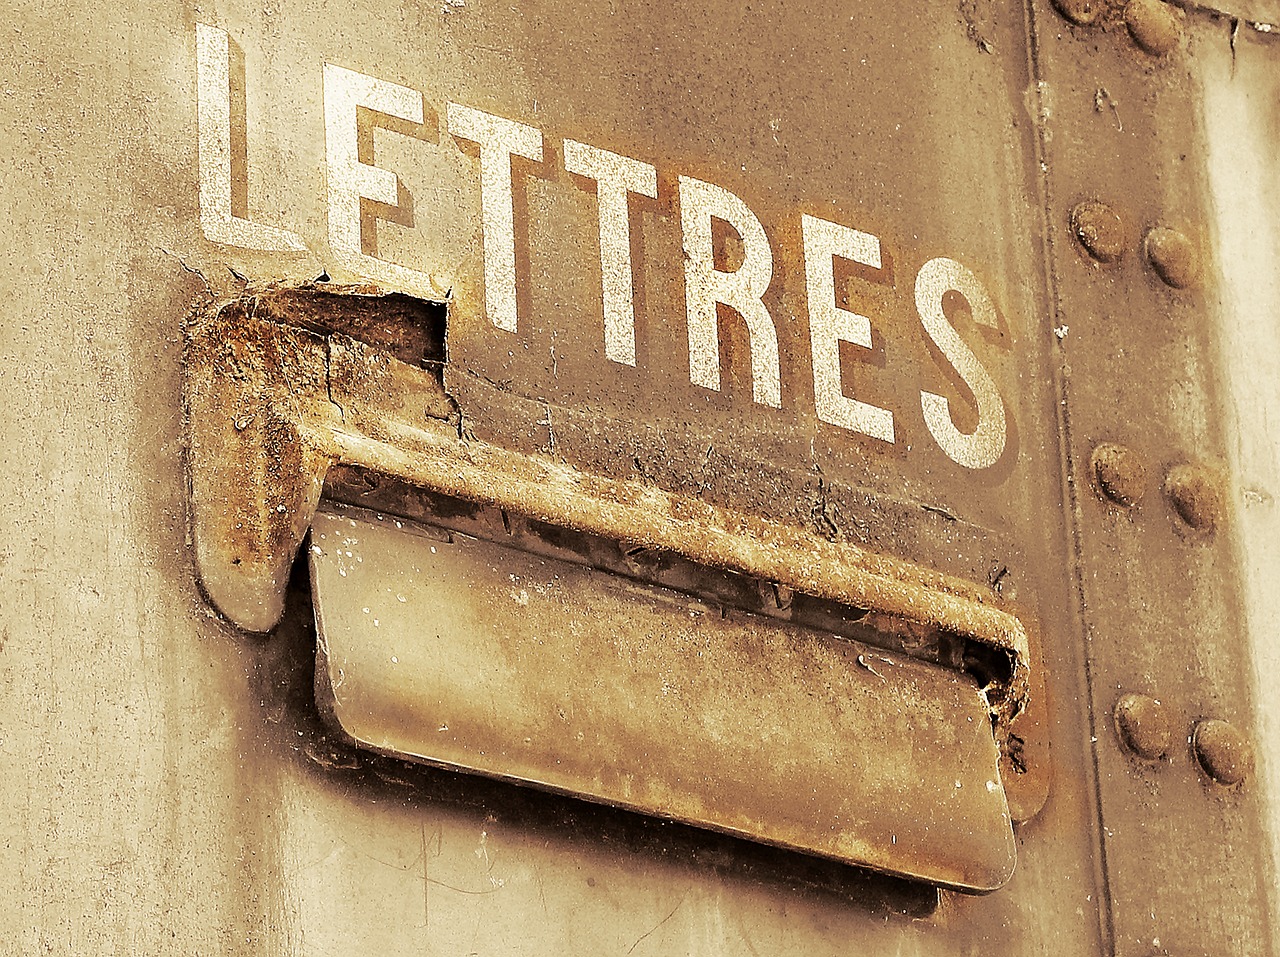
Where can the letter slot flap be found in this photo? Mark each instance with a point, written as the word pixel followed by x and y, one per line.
pixel 576 668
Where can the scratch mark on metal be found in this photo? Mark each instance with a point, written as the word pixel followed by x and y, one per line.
pixel 1102 98
pixel 654 929
pixel 862 660
pixel 191 269
pixel 426 882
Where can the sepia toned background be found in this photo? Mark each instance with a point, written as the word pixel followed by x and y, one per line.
pixel 168 786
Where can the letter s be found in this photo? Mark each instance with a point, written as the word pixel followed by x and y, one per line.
pixel 983 447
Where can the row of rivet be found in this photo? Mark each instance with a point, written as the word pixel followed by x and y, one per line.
pixel 1143 724
pixel 1192 490
pixel 1145 728
pixel 1222 750
pixel 1152 24
pixel 1103 235
pixel 1121 476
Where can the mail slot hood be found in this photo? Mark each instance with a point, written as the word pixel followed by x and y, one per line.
pixel 557 659
pixel 468 654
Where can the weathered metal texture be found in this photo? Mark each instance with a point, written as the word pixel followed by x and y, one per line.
pixel 1140 367
pixel 1024 767
pixel 270 407
pixel 174 791
pixel 255 389
pixel 474 655
pixel 1241 86
pixel 1256 16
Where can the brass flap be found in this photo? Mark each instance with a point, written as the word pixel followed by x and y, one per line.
pixel 481 657
pixel 443 648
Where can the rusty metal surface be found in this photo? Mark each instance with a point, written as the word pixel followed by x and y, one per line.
pixel 171 789
pixel 244 835
pixel 270 407
pixel 1140 366
pixel 477 656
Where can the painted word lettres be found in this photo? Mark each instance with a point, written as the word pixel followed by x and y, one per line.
pixel 353 179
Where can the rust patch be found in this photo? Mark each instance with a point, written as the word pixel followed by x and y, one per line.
pixel 411 330
pixel 271 407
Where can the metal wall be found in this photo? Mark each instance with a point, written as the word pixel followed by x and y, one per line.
pixel 168 784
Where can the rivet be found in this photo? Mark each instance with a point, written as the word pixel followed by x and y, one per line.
pixel 1143 726
pixel 1194 494
pixel 1172 256
pixel 1153 25
pixel 1120 473
pixel 1223 751
pixel 1082 12
pixel 1097 227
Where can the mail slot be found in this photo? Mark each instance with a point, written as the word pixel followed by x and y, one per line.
pixel 461 652
pixel 595 636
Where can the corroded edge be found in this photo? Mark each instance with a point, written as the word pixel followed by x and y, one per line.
pixel 270 407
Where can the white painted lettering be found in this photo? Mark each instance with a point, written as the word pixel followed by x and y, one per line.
pixel 739 285
pixel 213 118
pixel 983 447
pixel 741 289
pixel 615 177
pixel 499 140
pixel 829 325
pixel 350 180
